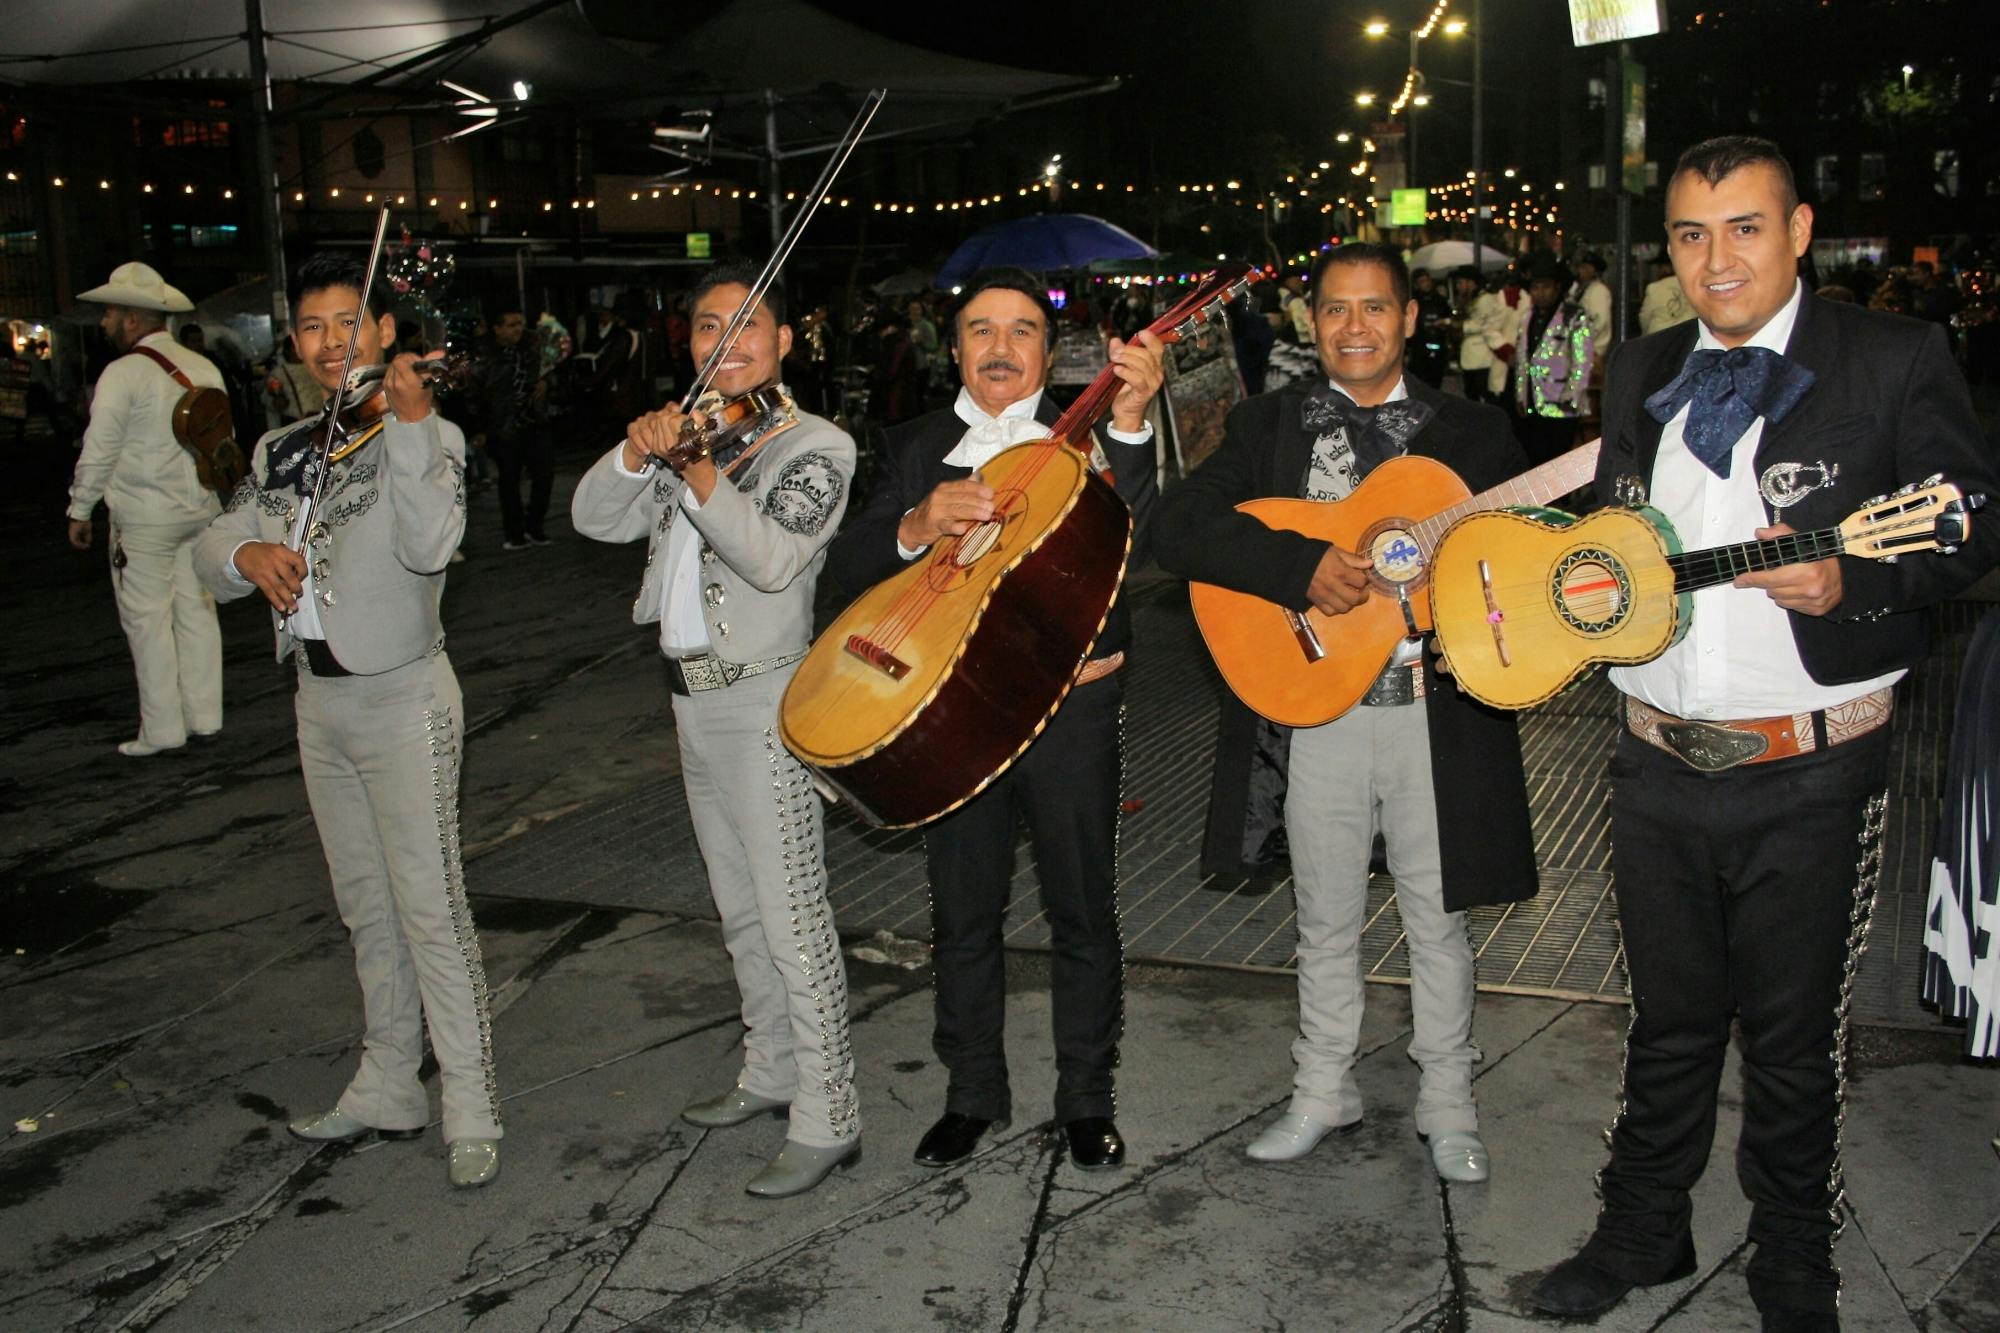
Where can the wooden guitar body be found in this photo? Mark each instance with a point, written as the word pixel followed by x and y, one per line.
pixel 1524 604
pixel 936 679
pixel 1261 654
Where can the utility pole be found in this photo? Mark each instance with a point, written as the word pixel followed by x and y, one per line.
pixel 1478 134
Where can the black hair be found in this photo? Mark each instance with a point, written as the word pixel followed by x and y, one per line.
pixel 1364 252
pixel 335 268
pixel 739 273
pixel 1003 279
pixel 1716 159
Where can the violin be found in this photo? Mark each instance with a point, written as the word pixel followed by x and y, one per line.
pixel 730 421
pixel 365 401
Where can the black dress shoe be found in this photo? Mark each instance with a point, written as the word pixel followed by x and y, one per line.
pixel 953 1138
pixel 1785 1319
pixel 1094 1143
pixel 1578 1288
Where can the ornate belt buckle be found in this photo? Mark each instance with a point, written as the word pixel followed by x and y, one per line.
pixel 702 673
pixel 1710 748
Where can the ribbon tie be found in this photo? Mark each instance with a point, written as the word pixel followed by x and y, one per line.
pixel 1375 434
pixel 987 438
pixel 1724 392
pixel 291 462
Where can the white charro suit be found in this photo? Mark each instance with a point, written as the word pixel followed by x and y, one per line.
pixel 761 541
pixel 379 742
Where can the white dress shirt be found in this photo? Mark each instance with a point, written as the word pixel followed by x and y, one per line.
pixel 683 628
pixel 987 436
pixel 1738 658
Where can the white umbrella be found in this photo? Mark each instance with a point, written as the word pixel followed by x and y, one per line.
pixel 1441 255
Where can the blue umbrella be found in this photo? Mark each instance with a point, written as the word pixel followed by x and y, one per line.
pixel 1041 243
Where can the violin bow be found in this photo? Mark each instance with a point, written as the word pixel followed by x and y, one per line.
pixel 741 320
pixel 330 414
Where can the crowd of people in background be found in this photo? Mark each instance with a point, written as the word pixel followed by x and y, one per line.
pixel 1531 337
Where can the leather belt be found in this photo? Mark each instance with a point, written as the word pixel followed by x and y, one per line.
pixel 698 673
pixel 1714 746
pixel 1097 668
pixel 320 659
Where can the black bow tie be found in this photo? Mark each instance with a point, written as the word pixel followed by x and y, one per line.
pixel 1724 391
pixel 1375 434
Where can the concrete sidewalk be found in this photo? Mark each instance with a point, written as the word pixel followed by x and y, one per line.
pixel 179 986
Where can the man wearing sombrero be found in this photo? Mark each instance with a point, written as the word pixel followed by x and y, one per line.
pixel 158 506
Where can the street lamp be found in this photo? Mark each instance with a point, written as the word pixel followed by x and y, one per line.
pixel 1413 93
pixel 1364 99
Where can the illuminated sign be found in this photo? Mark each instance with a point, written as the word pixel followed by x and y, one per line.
pixel 698 245
pixel 1594 21
pixel 1408 208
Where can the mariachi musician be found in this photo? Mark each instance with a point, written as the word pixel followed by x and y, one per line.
pixel 1438 775
pixel 1066 784
pixel 734 542
pixel 355 587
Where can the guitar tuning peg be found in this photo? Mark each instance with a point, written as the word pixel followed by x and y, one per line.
pixel 1873 500
pixel 1977 500
pixel 1932 480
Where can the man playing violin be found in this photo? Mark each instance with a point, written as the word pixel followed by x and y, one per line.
pixel 734 542
pixel 354 593
pixel 1066 784
pixel 1437 775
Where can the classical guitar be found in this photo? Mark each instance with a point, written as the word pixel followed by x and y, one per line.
pixel 1525 603
pixel 932 682
pixel 1302 668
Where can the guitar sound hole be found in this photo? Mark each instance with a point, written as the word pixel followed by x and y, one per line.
pixel 1592 591
pixel 976 542
pixel 1398 559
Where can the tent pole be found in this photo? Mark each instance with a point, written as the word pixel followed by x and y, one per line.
pixel 267 165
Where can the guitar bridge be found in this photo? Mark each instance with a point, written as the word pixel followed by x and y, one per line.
pixel 878 657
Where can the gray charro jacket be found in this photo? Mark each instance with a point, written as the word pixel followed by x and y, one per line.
pixel 391 516
pixel 763 535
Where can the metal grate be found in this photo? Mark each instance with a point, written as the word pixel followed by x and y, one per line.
pixel 1562 942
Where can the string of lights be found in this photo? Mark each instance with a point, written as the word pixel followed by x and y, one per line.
pixel 1512 202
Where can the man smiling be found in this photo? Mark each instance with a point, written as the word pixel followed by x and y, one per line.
pixel 1066 783
pixel 1748 799
pixel 734 544
pixel 1399 762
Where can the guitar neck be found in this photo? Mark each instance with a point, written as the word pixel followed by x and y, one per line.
pixel 1719 564
pixel 1194 313
pixel 1558 476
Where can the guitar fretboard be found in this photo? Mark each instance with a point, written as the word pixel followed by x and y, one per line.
pixel 1558 476
pixel 1720 564
pixel 1203 307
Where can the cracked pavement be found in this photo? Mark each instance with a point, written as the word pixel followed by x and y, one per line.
pixel 176 986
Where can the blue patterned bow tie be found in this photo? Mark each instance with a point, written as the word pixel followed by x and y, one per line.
pixel 1724 392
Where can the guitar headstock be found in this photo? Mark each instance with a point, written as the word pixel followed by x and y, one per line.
pixel 1931 515
pixel 1203 307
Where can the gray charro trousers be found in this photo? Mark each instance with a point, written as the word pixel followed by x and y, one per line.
pixel 381 759
pixel 1369 769
pixel 759 824
pixel 169 621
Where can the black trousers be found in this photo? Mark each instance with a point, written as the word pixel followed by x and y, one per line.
pixel 515 454
pixel 1067 788
pixel 1745 892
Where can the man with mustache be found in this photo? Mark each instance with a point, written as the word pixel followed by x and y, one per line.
pixel 1066 784
pixel 733 549
pixel 355 596
pixel 1436 774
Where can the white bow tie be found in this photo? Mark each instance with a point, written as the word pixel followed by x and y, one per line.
pixel 989 437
